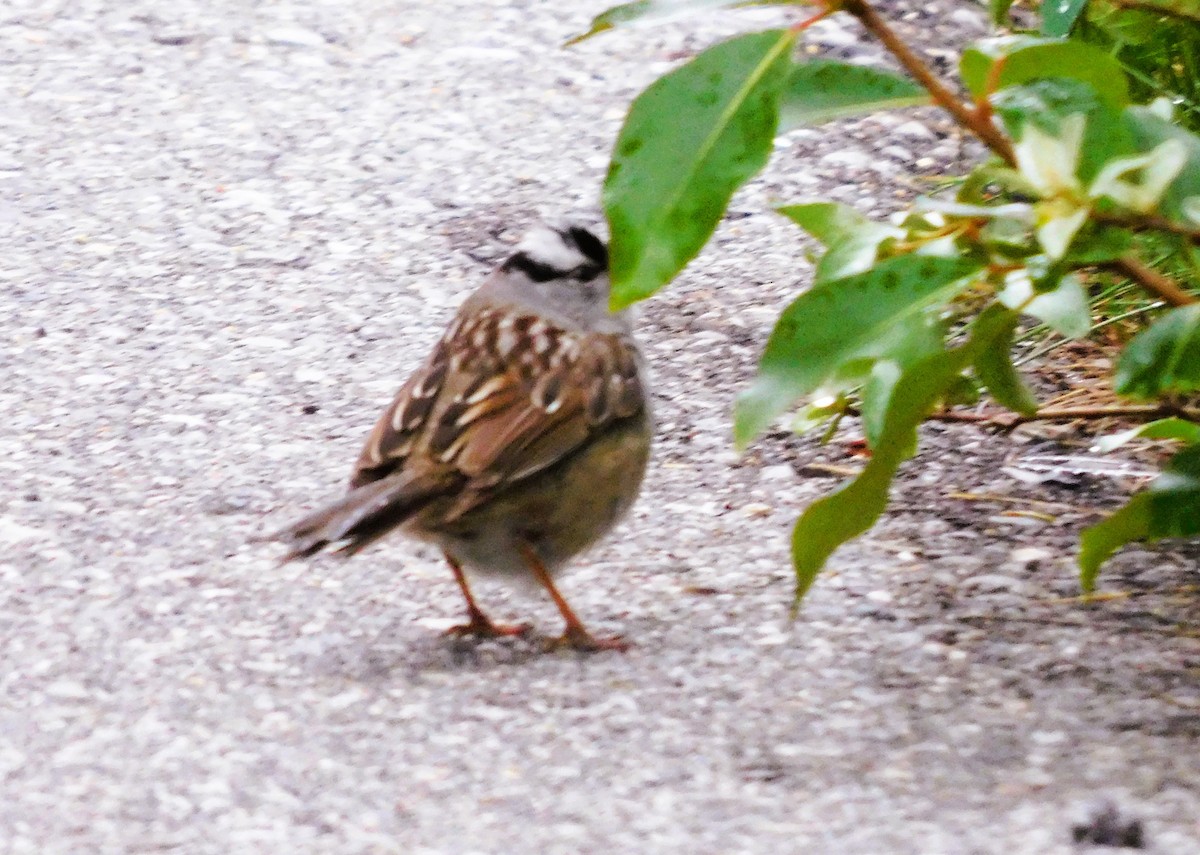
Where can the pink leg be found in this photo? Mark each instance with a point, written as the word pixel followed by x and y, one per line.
pixel 575 635
pixel 478 624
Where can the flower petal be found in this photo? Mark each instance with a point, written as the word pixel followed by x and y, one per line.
pixel 1158 168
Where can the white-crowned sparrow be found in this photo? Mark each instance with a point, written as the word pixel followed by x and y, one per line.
pixel 519 442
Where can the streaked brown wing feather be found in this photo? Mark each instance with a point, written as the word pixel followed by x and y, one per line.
pixel 502 399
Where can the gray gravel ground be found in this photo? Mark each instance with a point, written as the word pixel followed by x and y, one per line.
pixel 230 228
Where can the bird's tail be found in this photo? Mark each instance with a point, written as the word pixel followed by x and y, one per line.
pixel 358 519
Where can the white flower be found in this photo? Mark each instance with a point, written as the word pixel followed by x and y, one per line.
pixel 1158 168
pixel 1049 163
pixel 1162 107
pixel 1058 221
pixel 1191 208
pixel 943 207
pixel 1064 310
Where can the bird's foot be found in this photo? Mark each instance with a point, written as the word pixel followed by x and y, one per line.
pixel 575 637
pixel 479 625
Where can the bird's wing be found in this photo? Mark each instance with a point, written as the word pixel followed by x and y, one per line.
pixel 504 395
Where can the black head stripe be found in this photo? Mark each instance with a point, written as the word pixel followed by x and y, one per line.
pixel 589 245
pixel 534 269
pixel 583 250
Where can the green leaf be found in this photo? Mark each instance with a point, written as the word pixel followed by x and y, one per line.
pixel 1098 542
pixel 1168 428
pixel 1164 359
pixel 1169 507
pixel 831 521
pixel 819 90
pixel 853 240
pixel 1059 16
pixel 1096 244
pixel 999 10
pixel 689 141
pixel 831 324
pixel 828 222
pixel 1027 58
pixel 907 342
pixel 994 367
pixel 646 11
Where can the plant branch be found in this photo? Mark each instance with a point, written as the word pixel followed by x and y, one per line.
pixel 1163 287
pixel 1159 7
pixel 1147 222
pixel 979 125
pixel 1008 421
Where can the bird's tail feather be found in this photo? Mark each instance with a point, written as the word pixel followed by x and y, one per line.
pixel 358 519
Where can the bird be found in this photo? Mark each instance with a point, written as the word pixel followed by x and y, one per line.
pixel 519 442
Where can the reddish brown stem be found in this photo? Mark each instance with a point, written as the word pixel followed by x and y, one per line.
pixel 1171 10
pixel 1012 420
pixel 979 123
pixel 1147 222
pixel 1163 287
pixel 941 94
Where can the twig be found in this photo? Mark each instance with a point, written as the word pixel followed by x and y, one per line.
pixel 979 123
pixel 1008 421
pixel 1146 222
pixel 941 94
pixel 1163 287
pixel 1176 631
pixel 1171 10
pixel 1011 500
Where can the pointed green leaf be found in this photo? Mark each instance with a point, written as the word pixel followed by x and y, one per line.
pixel 909 341
pixel 820 90
pixel 1096 244
pixel 828 325
pixel 853 240
pixel 1163 359
pixel 1131 523
pixel 1027 58
pixel 1169 507
pixel 1059 16
pixel 647 11
pixel 1169 428
pixel 829 522
pixel 828 222
pixel 689 141
pixel 994 367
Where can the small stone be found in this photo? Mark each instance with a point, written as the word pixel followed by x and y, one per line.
pixel 850 159
pixel 986 583
pixel 914 130
pixel 1029 557
pixel 68 690
pixel 294 37
pixel 173 38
